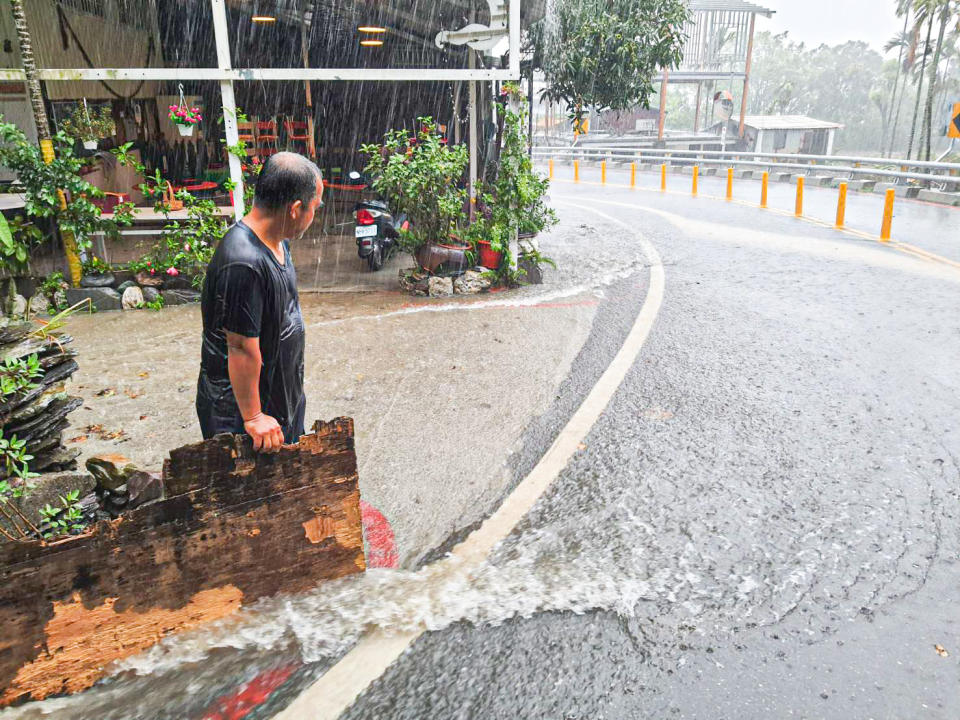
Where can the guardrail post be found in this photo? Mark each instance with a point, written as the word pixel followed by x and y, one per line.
pixel 576 171
pixel 603 172
pixel 551 168
pixel 798 211
pixel 887 215
pixel 663 177
pixel 842 205
pixel 729 183
pixel 696 173
pixel 764 186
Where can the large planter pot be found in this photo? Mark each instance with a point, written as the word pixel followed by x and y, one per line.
pixel 443 259
pixel 186 130
pixel 489 258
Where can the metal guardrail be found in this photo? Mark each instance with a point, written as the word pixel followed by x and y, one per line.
pixel 771 160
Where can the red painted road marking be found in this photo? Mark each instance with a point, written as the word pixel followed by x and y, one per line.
pixel 237 705
pixel 381 544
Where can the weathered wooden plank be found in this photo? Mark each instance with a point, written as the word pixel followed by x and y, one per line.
pixel 236 526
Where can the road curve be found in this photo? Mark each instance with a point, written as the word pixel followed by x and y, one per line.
pixel 763 521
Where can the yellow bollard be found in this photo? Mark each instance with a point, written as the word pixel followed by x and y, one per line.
pixel 603 172
pixel 729 183
pixel 633 175
pixel 798 211
pixel 764 185
pixel 842 205
pixel 551 168
pixel 576 171
pixel 696 174
pixel 887 215
pixel 663 177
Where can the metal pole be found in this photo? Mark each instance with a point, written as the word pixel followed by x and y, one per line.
pixel 229 102
pixel 473 138
pixel 305 52
pixel 746 76
pixel 696 116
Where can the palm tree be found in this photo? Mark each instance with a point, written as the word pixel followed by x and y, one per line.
pixel 946 10
pixel 901 41
pixel 924 11
pixel 30 69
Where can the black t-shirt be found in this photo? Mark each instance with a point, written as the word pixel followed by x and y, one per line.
pixel 247 292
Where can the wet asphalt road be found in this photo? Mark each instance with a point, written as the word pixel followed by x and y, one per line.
pixel 766 512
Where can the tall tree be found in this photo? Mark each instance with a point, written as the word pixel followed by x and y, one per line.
pixel 924 13
pixel 946 10
pixel 605 53
pixel 902 42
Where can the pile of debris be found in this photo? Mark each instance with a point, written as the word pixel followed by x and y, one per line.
pixel 38 415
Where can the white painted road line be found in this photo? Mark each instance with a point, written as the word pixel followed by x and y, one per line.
pixel 342 684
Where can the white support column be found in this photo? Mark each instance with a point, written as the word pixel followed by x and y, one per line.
pixel 229 102
pixel 514 30
pixel 473 138
pixel 830 134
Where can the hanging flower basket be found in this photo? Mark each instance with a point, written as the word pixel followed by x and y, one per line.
pixel 90 144
pixel 185 118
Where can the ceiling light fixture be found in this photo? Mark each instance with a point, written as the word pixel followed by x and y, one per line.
pixel 263 19
pixel 371 43
pixel 371 29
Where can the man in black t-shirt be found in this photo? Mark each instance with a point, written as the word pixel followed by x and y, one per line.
pixel 251 366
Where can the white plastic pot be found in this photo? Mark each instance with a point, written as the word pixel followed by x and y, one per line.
pixel 186 130
pixel 90 144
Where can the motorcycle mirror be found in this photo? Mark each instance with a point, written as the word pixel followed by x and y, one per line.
pixel 354 175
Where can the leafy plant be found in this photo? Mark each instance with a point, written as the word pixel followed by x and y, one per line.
pixel 41 184
pixel 65 519
pixel 83 124
pixel 17 375
pixel 420 177
pixel 15 457
pixel 95 266
pixel 154 304
pixel 52 287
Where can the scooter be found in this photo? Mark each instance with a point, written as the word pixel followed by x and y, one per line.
pixel 376 230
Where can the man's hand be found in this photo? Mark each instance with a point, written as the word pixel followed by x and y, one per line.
pixel 266 433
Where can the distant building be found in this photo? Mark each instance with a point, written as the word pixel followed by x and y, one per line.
pixel 789 134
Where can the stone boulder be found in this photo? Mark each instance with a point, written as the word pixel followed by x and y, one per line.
pixel 180 297
pixel 39 305
pixel 103 298
pixel 145 279
pixel 150 294
pixel 440 287
pixel 97 281
pixel 471 282
pixel 18 306
pixel 132 298
pixel 111 470
pixel 121 288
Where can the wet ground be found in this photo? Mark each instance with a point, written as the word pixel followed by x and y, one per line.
pixel 763 523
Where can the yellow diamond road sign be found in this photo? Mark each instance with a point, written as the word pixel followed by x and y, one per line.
pixel 953 129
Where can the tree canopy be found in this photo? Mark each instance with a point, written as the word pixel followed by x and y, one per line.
pixel 605 53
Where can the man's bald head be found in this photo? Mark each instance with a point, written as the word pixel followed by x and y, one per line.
pixel 285 178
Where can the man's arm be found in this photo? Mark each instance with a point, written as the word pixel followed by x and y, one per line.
pixel 243 365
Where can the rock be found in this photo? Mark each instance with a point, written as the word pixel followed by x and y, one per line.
pixel 132 298
pixel 471 282
pixel 414 282
pixel 144 487
pixel 103 298
pixel 60 299
pixel 121 278
pixel 180 297
pixel 121 288
pixel 111 471
pixel 47 490
pixel 39 304
pixel 145 279
pixel 97 281
pixel 177 282
pixel 18 306
pixel 533 273
pixel 150 294
pixel 440 287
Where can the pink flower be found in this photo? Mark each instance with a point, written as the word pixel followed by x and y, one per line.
pixel 186 247
pixel 172 271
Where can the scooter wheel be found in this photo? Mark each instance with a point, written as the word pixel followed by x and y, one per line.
pixel 375 259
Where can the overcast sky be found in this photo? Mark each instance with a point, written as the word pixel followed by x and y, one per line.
pixel 833 21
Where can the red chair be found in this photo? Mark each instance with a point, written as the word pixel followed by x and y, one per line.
pixel 268 139
pixel 298 133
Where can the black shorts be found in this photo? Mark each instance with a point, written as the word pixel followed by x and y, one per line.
pixel 218 412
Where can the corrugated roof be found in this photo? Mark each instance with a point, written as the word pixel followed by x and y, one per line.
pixel 729 5
pixel 788 122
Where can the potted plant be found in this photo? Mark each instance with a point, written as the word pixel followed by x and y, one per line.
pixel 420 177
pixel 89 127
pixel 186 119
